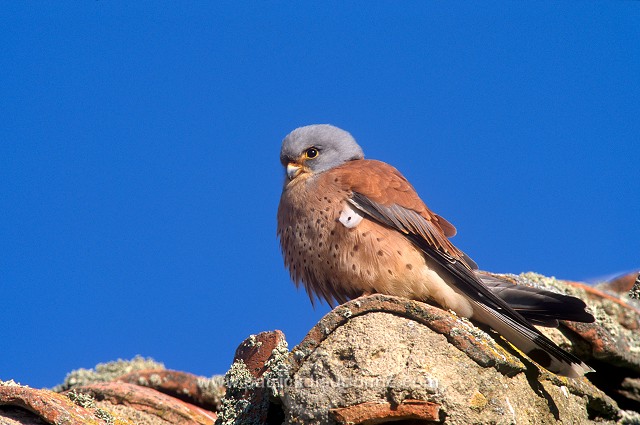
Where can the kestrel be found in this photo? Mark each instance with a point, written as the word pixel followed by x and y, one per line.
pixel 350 227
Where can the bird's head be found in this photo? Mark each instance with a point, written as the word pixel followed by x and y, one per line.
pixel 316 148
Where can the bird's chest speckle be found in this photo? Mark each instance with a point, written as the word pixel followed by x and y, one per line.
pixel 308 220
pixel 335 252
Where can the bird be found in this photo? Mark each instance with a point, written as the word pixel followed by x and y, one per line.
pixel 350 227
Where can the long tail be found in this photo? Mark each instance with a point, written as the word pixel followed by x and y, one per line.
pixel 534 344
pixel 539 306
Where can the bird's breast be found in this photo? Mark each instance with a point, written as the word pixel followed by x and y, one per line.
pixel 336 252
pixel 339 254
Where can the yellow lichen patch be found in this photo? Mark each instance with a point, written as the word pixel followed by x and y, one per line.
pixel 477 401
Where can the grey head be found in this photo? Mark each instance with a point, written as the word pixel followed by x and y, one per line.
pixel 317 148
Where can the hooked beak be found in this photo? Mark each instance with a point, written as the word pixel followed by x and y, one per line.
pixel 293 170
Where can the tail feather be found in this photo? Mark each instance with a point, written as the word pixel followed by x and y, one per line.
pixel 534 344
pixel 539 306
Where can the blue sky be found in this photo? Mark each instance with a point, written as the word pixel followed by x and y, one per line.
pixel 139 142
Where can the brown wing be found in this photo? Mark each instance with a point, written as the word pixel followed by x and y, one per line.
pixel 380 191
pixel 397 200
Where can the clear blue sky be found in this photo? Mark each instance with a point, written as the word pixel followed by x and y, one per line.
pixel 139 142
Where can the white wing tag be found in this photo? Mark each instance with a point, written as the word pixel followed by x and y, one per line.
pixel 349 217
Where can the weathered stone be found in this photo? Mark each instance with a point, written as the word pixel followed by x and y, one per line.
pixel 47 405
pixel 611 345
pixel 458 331
pixel 372 360
pixel 111 403
pixel 203 392
pixel 254 381
pixel 256 350
pixel 620 285
pixel 147 401
pixel 389 355
pixel 106 372
pixel 376 413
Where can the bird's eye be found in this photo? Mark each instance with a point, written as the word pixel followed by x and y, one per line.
pixel 311 153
